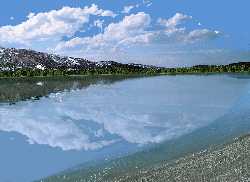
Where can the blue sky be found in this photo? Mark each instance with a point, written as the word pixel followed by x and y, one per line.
pixel 169 33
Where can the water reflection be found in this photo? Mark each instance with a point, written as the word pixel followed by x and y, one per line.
pixel 82 119
pixel 17 89
pixel 143 111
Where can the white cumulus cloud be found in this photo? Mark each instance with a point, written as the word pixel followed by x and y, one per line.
pixel 57 31
pixel 175 30
pixel 134 30
pixel 114 34
pixel 50 26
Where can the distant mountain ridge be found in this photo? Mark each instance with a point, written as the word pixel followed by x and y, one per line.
pixel 23 62
pixel 12 59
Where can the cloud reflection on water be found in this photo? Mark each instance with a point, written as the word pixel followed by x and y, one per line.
pixel 141 111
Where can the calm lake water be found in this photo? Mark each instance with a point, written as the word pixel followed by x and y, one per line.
pixel 51 124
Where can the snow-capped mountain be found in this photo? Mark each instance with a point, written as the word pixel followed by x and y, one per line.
pixel 12 59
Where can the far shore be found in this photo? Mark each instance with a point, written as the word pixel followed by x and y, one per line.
pixel 124 75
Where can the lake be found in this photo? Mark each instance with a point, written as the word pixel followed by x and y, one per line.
pixel 52 124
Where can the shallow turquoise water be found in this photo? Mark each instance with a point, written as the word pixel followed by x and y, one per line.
pixel 52 125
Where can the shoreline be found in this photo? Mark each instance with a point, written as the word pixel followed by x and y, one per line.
pixel 228 161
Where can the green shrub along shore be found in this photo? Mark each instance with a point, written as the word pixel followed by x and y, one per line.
pixel 241 67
